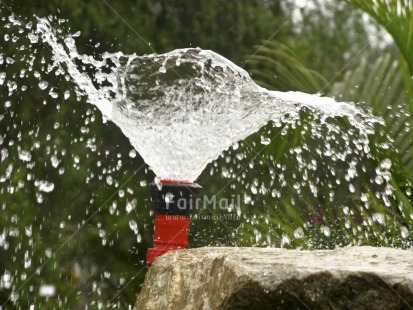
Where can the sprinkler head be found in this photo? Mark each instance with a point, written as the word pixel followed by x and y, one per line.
pixel 172 202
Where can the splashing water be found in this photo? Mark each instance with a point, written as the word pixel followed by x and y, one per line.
pixel 181 109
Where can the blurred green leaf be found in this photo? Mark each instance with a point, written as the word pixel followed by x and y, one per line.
pixel 275 66
pixel 380 89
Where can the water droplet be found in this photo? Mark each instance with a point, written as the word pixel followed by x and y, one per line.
pixel 378 180
pixel 48 252
pixel 404 232
pixel 132 153
pixel 379 218
pixel 33 37
pixel 364 197
pixel 14 20
pixel 28 231
pixel 347 224
pixel 351 172
pixel 298 233
pixel 12 85
pixel 285 240
pixel 254 189
pixel 66 94
pixel 384 146
pixel 325 230
pixel 385 164
pixel 43 85
pixel 6 279
pixel 4 154
pixel 46 186
pixel 25 155
pixel 47 290
pixel 265 140
pixel 131 205
pixel 121 193
pixel 53 93
pixel 133 225
pixel 2 77
pixel 27 260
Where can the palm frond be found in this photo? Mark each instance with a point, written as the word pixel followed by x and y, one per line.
pixel 381 89
pixel 275 66
pixel 396 16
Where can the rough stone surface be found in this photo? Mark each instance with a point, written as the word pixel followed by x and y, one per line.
pixel 268 278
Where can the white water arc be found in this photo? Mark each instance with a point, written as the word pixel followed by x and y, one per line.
pixel 181 109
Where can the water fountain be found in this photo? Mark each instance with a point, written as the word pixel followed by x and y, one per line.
pixel 182 109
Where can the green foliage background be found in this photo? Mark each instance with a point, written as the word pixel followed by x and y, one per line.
pixel 79 238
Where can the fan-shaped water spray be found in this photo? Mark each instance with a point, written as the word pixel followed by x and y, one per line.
pixel 181 109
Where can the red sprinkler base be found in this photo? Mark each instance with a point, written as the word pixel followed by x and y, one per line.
pixel 171 233
pixel 172 202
